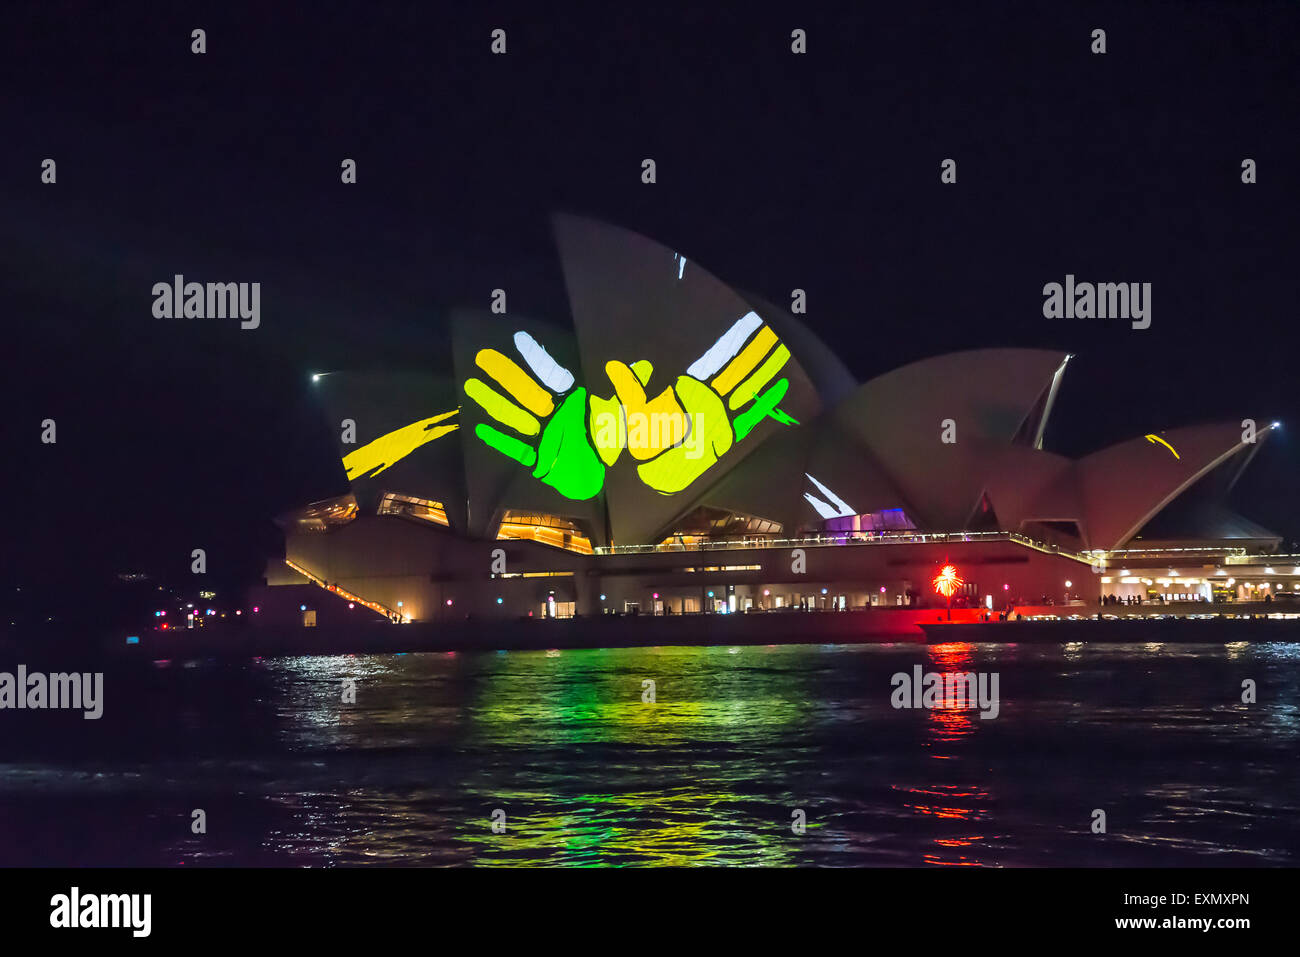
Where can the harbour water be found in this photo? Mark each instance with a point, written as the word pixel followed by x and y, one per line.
pixel 579 767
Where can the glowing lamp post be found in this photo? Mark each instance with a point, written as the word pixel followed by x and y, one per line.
pixel 946 583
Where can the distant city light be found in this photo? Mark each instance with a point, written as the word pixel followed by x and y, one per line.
pixel 448 602
pixel 133 639
pixel 1069 584
pixel 302 607
pixel 823 591
pixel 351 605
pixel 256 609
pixel 499 599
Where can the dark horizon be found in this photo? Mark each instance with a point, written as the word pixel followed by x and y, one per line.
pixel 775 171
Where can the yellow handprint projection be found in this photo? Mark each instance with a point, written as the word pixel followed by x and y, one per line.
pixel 655 424
pixel 680 433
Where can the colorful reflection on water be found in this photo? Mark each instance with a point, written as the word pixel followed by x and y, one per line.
pixel 591 765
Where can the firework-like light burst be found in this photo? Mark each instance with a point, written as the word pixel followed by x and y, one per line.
pixel 947 581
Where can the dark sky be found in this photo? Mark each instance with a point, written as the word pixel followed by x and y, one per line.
pixel 775 171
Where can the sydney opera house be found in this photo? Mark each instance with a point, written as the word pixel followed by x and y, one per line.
pixel 685 447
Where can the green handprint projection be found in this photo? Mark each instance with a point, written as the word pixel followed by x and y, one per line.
pixel 563 458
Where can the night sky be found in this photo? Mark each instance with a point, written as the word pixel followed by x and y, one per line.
pixel 775 171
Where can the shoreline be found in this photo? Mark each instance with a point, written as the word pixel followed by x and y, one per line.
pixel 894 626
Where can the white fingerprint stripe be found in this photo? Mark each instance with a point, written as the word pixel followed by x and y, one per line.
pixel 726 348
pixel 553 375
pixel 844 507
pixel 824 510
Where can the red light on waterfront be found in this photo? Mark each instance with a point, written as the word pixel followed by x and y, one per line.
pixel 256 609
pixel 947 581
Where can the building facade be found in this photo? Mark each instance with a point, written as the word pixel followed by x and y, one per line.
pixel 686 448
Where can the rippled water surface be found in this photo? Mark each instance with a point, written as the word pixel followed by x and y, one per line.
pixel 711 773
